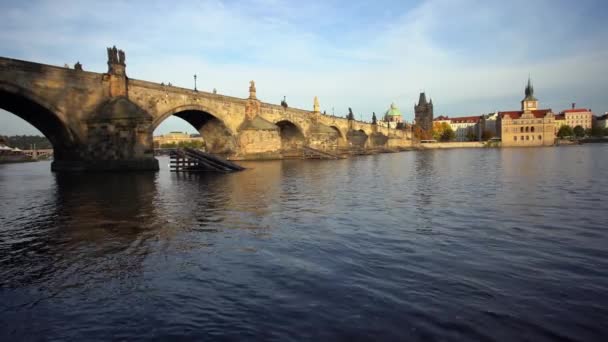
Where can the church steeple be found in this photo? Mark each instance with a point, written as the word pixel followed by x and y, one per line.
pixel 529 103
pixel 529 88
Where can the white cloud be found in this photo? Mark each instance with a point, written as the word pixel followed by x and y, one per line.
pixel 470 56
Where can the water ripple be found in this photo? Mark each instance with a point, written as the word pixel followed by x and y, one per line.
pixel 490 245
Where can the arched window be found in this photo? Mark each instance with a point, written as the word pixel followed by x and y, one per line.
pixel 540 137
pixel 532 129
pixel 527 129
pixel 521 129
pixel 514 138
pixel 527 137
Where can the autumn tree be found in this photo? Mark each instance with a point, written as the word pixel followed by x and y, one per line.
pixel 422 134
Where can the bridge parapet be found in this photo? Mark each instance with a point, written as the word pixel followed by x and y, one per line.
pixel 106 120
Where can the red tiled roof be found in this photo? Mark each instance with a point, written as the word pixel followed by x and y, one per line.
pixel 461 119
pixel 576 110
pixel 539 113
pixel 560 117
pixel 464 119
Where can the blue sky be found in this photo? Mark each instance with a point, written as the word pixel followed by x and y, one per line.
pixel 470 56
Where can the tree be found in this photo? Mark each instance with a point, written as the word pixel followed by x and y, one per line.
pixel 26 142
pixel 439 128
pixel 579 131
pixel 471 136
pixel 448 134
pixel 565 131
pixel 421 134
pixel 597 132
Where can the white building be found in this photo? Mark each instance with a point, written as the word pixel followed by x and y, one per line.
pixel 464 127
pixel 602 121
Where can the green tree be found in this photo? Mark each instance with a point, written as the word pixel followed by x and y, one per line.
pixel 26 142
pixel 448 134
pixel 565 131
pixel 579 131
pixel 597 132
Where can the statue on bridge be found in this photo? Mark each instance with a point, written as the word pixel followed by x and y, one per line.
pixel 316 107
pixel 374 120
pixel 121 57
pixel 284 102
pixel 252 90
pixel 78 66
pixel 351 116
pixel 116 56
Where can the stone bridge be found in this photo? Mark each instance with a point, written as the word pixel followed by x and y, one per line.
pixel 105 121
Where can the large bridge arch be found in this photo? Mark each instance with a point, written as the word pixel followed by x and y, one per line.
pixel 219 139
pixel 43 116
pixel 292 134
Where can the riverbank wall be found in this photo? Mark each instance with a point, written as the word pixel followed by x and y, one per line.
pixel 458 144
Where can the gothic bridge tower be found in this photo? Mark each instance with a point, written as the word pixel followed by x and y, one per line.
pixel 424 113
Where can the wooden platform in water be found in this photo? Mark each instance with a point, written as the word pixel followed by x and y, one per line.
pixel 193 160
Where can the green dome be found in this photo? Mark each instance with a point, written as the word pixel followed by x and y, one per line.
pixel 393 111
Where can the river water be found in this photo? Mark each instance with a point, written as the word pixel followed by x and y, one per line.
pixel 480 244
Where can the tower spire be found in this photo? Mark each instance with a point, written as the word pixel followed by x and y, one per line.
pixel 529 87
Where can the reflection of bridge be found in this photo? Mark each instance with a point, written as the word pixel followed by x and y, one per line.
pixel 38 154
pixel 105 121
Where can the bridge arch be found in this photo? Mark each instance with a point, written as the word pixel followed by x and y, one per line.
pixel 338 131
pixel 219 139
pixel 43 116
pixel 292 135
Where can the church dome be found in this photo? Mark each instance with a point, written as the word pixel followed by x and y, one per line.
pixel 393 111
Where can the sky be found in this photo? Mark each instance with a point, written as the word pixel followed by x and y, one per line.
pixel 469 56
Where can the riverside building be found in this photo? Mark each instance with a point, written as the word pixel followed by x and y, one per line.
pixel 530 126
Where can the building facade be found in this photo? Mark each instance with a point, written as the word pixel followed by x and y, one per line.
pixel 175 138
pixel 466 128
pixel 578 117
pixel 602 121
pixel 424 113
pixel 488 123
pixel 528 127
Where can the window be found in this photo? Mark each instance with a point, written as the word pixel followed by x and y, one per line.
pixel 527 129
pixel 540 137
pixel 514 138
pixel 527 137
pixel 521 129
pixel 532 129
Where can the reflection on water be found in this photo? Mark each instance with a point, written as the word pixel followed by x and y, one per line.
pixel 503 244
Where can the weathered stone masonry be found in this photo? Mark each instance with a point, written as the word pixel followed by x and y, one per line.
pixel 106 121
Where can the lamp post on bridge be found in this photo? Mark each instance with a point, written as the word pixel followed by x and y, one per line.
pixel 195 83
